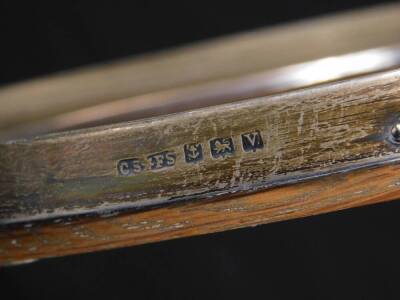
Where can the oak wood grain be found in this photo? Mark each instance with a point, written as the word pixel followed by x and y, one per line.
pixel 336 192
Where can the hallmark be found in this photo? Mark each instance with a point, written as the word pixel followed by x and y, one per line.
pixel 193 152
pixel 162 160
pixel 129 167
pixel 221 147
pixel 252 141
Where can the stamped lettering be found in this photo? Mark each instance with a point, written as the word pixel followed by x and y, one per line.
pixel 129 167
pixel 162 160
pixel 221 147
pixel 252 141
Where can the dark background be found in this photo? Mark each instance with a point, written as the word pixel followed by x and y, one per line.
pixel 352 254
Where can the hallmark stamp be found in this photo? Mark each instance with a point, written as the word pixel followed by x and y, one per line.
pixel 193 152
pixel 221 147
pixel 129 167
pixel 252 141
pixel 162 160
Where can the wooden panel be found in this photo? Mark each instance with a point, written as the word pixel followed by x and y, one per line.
pixel 222 150
pixel 65 236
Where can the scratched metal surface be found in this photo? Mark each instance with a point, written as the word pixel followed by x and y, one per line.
pixel 239 147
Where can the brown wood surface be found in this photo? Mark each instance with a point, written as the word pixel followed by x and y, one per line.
pixel 62 237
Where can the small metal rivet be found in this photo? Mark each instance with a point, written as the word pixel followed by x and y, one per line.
pixel 396 132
